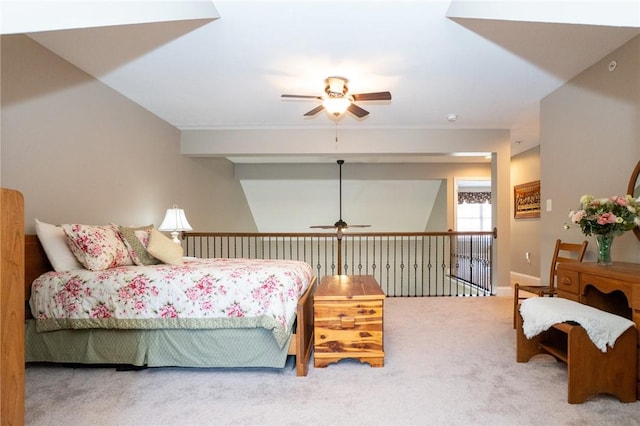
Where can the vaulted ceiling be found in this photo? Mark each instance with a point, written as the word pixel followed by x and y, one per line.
pixel 224 65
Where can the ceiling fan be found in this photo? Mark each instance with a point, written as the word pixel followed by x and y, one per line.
pixel 338 99
pixel 340 224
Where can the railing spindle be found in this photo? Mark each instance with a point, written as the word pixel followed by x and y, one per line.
pixel 405 264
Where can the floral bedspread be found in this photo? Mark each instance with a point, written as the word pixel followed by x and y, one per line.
pixel 201 293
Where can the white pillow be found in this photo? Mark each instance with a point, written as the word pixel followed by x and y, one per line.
pixel 54 242
pixel 163 248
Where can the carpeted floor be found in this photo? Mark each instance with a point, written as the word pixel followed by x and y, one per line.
pixel 449 361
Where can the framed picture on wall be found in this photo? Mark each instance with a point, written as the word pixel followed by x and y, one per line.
pixel 526 200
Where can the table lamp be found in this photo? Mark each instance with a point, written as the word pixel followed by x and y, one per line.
pixel 175 222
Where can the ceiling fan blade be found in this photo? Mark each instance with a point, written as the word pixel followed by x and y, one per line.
pixel 301 96
pixel 357 111
pixel 314 111
pixel 376 96
pixel 342 227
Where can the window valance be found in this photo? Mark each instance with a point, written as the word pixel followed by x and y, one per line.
pixel 474 197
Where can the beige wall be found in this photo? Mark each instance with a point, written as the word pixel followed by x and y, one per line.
pixel 590 144
pixel 438 218
pixel 81 152
pixel 525 233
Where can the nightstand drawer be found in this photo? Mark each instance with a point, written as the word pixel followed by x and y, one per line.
pixel 325 310
pixel 349 322
pixel 349 343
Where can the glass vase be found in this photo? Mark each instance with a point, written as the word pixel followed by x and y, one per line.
pixel 604 249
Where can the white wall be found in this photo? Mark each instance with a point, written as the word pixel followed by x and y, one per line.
pixel 396 197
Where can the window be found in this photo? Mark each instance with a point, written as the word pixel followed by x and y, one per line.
pixel 473 212
pixel 474 217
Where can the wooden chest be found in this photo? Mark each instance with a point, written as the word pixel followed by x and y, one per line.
pixel 348 320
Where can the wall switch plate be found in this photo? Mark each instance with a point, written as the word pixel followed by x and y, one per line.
pixel 548 205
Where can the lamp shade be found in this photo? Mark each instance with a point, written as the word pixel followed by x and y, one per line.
pixel 175 221
pixel 336 106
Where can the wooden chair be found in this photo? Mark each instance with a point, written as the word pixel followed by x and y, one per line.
pixel 563 252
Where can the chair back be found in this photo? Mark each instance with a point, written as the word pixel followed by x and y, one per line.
pixel 565 252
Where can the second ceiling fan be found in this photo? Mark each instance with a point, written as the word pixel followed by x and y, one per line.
pixel 340 224
pixel 338 99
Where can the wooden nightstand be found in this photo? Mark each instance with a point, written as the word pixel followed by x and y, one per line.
pixel 348 320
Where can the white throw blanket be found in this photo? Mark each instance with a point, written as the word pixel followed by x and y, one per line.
pixel 603 328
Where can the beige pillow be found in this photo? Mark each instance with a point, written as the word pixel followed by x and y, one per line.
pixel 163 248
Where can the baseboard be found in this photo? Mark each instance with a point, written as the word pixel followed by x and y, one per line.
pixel 516 277
pixel 504 291
pixel 523 279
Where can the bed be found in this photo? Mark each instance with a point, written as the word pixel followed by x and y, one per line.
pixel 185 340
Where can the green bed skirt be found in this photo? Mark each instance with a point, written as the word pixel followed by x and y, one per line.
pixel 254 347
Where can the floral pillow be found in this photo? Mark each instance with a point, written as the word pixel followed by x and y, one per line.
pixel 97 247
pixel 137 240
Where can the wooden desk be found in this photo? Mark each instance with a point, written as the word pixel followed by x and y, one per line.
pixel 348 320
pixel 614 289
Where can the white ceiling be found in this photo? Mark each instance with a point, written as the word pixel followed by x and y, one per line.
pixel 223 66
pixel 486 61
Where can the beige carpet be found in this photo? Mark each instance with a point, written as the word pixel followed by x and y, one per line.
pixel 449 361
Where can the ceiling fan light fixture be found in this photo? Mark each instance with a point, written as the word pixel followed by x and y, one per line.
pixel 336 106
pixel 336 86
pixel 338 100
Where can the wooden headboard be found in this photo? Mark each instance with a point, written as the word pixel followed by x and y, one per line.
pixel 36 263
